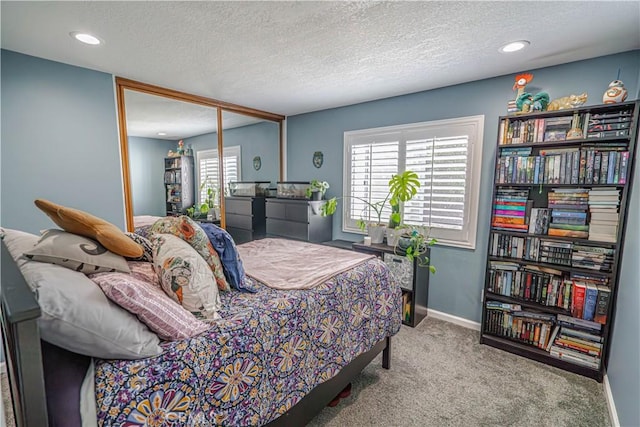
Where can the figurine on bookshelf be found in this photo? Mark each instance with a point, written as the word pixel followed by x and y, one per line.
pixel 567 102
pixel 615 93
pixel 526 102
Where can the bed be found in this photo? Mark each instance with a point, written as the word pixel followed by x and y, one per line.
pixel 276 357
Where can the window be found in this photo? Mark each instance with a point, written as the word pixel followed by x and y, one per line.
pixel 446 155
pixel 208 168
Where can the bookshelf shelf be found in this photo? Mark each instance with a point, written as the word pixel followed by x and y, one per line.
pixel 560 267
pixel 178 184
pixel 579 187
pixel 566 143
pixel 528 304
pixel 560 238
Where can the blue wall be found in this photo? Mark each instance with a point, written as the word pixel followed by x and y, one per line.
pixel 146 164
pixel 260 139
pixel 456 287
pixel 59 141
pixel 453 290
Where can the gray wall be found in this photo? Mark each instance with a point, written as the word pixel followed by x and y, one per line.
pixel 146 164
pixel 456 287
pixel 59 141
pixel 260 139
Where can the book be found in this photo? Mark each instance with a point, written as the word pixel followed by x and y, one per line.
pixel 590 299
pixel 578 298
pixel 602 304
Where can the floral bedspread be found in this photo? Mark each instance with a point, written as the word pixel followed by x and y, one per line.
pixel 269 350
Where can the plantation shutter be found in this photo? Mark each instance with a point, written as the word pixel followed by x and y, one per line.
pixel 373 163
pixel 207 169
pixel 441 164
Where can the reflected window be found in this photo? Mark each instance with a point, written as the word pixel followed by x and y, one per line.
pixel 207 165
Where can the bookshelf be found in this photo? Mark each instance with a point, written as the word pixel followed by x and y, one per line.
pixel 559 210
pixel 179 184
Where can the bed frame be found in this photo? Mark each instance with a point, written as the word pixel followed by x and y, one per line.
pixel 22 350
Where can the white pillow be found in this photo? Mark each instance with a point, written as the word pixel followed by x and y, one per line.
pixel 76 252
pixel 185 276
pixel 76 315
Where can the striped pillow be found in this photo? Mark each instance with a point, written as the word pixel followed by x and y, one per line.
pixel 160 313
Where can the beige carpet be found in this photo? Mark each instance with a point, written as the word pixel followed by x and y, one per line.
pixel 440 376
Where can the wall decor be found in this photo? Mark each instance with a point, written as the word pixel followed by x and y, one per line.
pixel 257 163
pixel 318 158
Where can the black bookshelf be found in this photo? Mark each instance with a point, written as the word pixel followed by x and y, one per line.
pixel 535 146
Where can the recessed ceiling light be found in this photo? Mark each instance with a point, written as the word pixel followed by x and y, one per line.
pixel 85 38
pixel 162 133
pixel 514 46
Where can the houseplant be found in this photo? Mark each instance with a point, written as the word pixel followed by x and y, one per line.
pixel 402 187
pixel 208 204
pixel 414 241
pixel 316 189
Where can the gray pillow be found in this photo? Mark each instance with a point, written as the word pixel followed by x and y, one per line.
pixel 76 252
pixel 76 315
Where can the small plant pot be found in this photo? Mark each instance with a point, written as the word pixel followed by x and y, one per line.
pixel 316 205
pixel 376 232
pixel 316 196
pixel 393 235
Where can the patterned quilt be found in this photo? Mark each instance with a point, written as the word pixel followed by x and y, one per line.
pixel 270 349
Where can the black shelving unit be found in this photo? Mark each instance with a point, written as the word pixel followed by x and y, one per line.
pixel 179 184
pixel 535 139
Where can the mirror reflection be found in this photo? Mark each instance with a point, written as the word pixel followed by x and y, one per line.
pixel 173 166
pixel 251 150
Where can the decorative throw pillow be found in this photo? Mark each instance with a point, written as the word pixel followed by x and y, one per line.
pixel 161 314
pixel 75 252
pixel 147 248
pixel 186 229
pixel 79 222
pixel 185 276
pixel 76 314
pixel 144 271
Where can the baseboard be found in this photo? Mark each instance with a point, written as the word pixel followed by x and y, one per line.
pixel 611 405
pixel 453 319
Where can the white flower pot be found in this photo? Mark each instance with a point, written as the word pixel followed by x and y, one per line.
pixel 376 232
pixel 393 234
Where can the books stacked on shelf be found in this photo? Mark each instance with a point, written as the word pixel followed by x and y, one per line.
pixel 568 212
pixel 509 321
pixel 609 125
pixel 603 209
pixel 510 210
pixel 512 108
pixel 556 128
pixel 578 341
pixel 553 252
pixel 592 257
pixel 503 245
pixel 604 164
pixel 541 285
pixel 406 307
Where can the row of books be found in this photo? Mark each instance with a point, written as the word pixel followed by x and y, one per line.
pixel 564 337
pixel 579 126
pixel 602 165
pixel 510 209
pixel 406 307
pixel 537 249
pixel 579 343
pixel 585 299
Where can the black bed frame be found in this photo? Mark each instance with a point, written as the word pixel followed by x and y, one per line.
pixel 21 340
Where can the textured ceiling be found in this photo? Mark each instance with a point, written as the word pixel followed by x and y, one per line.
pixel 295 57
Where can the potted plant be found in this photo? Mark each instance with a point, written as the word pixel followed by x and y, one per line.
pixel 208 205
pixel 316 189
pixel 402 187
pixel 414 241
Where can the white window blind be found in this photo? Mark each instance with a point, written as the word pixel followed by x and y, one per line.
pixel 446 155
pixel 208 169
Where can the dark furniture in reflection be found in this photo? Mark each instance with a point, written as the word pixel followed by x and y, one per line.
pixel 245 218
pixel 296 219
